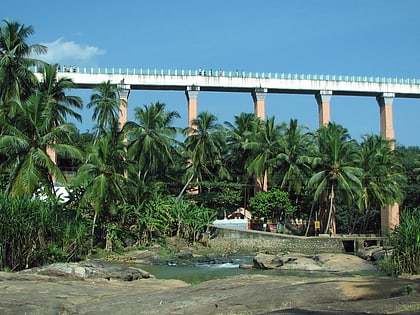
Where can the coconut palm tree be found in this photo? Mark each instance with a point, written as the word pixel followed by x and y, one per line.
pixel 295 159
pixel 59 104
pixel 152 140
pixel 102 176
pixel 382 175
pixel 265 146
pixel 106 106
pixel 337 172
pixel 16 79
pixel 204 145
pixel 24 143
pixel 241 132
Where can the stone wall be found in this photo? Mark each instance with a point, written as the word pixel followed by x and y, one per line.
pixel 233 240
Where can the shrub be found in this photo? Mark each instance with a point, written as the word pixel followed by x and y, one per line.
pixel 33 232
pixel 405 241
pixel 273 204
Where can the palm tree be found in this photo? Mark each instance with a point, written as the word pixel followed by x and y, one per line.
pixel 265 147
pixel 245 126
pixel 204 145
pixel 24 143
pixel 59 104
pixel 152 139
pixel 102 177
pixel 382 175
pixel 337 173
pixel 295 158
pixel 106 106
pixel 16 79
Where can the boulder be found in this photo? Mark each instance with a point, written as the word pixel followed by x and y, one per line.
pixel 215 259
pixel 344 263
pixel 241 294
pixel 89 269
pixel 374 253
pixel 322 262
pixel 267 261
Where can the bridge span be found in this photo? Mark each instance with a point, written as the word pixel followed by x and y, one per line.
pixel 323 87
pixel 258 84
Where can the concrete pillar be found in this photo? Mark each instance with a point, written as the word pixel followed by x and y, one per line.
pixel 124 92
pixel 192 95
pixel 385 109
pixel 390 218
pixel 390 215
pixel 323 99
pixel 258 96
pixel 51 153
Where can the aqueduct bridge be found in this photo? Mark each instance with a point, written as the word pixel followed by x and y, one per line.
pixel 258 85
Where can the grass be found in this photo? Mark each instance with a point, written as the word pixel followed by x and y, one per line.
pixel 407 308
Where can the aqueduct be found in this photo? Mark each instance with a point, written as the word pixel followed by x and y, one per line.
pixel 323 87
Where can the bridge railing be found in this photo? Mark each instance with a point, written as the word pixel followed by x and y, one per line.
pixel 236 74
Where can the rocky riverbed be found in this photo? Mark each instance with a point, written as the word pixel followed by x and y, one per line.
pixel 100 287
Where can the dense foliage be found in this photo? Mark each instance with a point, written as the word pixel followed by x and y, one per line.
pixel 33 232
pixel 141 182
pixel 274 205
pixel 405 245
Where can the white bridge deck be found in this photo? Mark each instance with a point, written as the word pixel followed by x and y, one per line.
pixel 233 81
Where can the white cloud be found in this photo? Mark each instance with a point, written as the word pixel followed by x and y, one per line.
pixel 70 52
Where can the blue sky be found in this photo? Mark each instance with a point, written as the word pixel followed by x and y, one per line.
pixel 353 37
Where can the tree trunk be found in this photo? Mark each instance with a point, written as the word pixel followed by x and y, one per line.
pixel 309 221
pixel 185 186
pixel 327 227
pixel 93 231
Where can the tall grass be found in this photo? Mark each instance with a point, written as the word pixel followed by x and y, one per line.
pixel 33 232
pixel 405 241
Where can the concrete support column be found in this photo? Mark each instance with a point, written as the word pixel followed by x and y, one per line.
pixel 124 92
pixel 258 96
pixel 51 153
pixel 390 218
pixel 390 215
pixel 192 95
pixel 385 109
pixel 323 99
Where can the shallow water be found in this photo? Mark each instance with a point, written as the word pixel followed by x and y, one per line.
pixel 200 272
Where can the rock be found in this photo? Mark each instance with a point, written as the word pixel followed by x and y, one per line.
pixel 215 259
pixel 138 257
pixel 242 294
pixel 374 253
pixel 322 262
pixel 89 269
pixel 246 266
pixel 267 261
pixel 344 263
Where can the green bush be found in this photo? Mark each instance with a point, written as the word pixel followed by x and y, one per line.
pixel 405 241
pixel 273 204
pixel 33 232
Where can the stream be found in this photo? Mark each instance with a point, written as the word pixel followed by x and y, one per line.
pixel 199 272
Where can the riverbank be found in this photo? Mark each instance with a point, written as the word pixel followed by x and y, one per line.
pixel 122 287
pixel 242 294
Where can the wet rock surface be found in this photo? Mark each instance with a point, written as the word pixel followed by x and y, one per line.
pixel 245 294
pixel 89 269
pixel 100 287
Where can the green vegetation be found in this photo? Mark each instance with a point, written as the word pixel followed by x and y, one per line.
pixel 274 204
pixel 405 243
pixel 137 184
pixel 34 232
